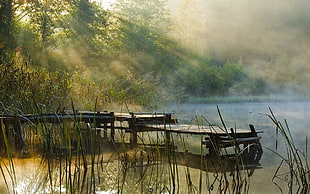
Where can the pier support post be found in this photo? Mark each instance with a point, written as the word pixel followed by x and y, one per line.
pixel 133 138
pixel 112 131
pixel 19 136
pixel 168 140
pixel 2 133
pixel 105 131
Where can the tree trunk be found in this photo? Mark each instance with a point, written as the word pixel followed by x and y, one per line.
pixel 7 39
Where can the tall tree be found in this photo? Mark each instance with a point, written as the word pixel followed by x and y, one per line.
pixel 143 31
pixel 7 38
pixel 88 22
pixel 40 22
pixel 190 29
pixel 142 21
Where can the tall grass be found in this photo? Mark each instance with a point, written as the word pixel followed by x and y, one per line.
pixel 76 160
pixel 230 174
pixel 294 161
pixel 7 168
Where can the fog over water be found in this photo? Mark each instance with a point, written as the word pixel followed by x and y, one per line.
pixel 237 115
pixel 240 115
pixel 272 38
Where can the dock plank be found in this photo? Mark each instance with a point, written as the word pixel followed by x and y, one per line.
pixel 190 129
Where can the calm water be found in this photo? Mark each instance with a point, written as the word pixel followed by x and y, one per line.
pixel 238 115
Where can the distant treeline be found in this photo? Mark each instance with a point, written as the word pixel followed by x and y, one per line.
pixel 54 52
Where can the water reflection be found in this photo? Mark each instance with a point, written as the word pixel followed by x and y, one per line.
pixel 122 167
pixel 157 167
pixel 241 114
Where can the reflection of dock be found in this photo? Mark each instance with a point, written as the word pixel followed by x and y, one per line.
pixel 244 142
pixel 145 154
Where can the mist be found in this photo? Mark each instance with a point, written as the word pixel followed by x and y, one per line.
pixel 258 29
pixel 271 37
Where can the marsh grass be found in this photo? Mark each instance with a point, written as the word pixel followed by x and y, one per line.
pixel 7 168
pixel 230 175
pixel 76 160
pixel 294 166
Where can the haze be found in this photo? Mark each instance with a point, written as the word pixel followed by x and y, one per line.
pixel 272 37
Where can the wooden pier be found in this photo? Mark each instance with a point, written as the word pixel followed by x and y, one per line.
pixel 246 141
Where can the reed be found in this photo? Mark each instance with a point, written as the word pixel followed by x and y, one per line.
pixel 74 161
pixel 230 175
pixel 294 161
pixel 7 169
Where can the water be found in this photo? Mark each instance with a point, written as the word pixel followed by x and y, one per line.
pixel 240 115
pixel 30 172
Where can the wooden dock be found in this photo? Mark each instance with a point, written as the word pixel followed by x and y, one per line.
pixel 215 138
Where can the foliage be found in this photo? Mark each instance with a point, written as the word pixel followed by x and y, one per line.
pixel 130 54
pixel 210 79
pixel 143 31
pixel 21 86
pixel 124 88
pixel 190 26
pixel 7 37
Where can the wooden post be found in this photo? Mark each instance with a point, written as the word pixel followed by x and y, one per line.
pixel 112 125
pixel 105 130
pixel 168 140
pixel 133 138
pixel 18 133
pixel 112 131
pixel 2 130
pixel 213 144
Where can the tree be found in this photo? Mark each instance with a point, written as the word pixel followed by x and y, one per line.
pixel 87 23
pixel 143 23
pixel 190 28
pixel 144 33
pixel 7 38
pixel 39 25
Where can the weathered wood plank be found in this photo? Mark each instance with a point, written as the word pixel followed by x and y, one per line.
pixel 188 129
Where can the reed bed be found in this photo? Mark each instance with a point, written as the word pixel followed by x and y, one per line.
pixel 76 159
pixel 294 166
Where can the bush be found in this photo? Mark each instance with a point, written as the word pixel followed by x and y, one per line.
pixel 123 88
pixel 220 79
pixel 21 85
